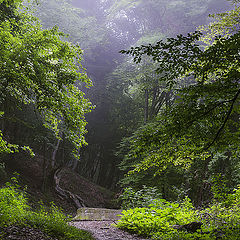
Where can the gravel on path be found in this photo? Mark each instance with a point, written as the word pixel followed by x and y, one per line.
pixel 23 233
pixel 105 230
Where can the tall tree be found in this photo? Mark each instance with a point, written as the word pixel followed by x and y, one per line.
pixel 40 69
pixel 204 121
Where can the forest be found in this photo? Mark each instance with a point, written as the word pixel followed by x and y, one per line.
pixel 120 104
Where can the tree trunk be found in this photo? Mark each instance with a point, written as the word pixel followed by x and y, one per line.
pixel 44 168
pixel 146 106
pixel 53 160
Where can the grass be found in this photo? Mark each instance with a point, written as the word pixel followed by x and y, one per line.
pixel 15 210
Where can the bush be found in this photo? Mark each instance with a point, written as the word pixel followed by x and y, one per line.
pixel 157 219
pixel 13 204
pixel 221 220
pixel 14 210
pixel 141 198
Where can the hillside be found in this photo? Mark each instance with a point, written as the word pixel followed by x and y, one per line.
pixel 30 171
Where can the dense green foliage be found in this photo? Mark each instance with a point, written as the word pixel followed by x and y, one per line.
pixel 14 210
pixel 224 24
pixel 191 147
pixel 162 219
pixel 178 107
pixel 202 123
pixel 41 70
pixel 140 198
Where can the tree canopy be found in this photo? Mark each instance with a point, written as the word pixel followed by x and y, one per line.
pixel 205 117
pixel 40 69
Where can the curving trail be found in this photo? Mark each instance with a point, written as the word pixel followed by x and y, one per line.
pixel 104 230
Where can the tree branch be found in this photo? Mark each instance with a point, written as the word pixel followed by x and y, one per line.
pixel 225 121
pixel 208 111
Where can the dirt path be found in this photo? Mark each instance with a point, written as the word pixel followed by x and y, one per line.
pixel 103 230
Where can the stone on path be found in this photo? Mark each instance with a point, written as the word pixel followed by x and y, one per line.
pixel 97 214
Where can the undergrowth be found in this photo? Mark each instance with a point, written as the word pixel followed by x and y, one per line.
pixel 161 219
pixel 14 210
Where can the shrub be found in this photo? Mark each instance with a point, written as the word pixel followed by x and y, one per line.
pixel 13 204
pixel 221 220
pixel 141 198
pixel 14 210
pixel 157 219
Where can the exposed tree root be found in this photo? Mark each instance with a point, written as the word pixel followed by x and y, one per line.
pixel 65 194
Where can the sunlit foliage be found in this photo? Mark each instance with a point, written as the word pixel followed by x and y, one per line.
pixel 204 118
pixel 15 210
pixel 42 70
pixel 180 220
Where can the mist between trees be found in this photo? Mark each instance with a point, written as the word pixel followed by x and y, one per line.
pixel 166 112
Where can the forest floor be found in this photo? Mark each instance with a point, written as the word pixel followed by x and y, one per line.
pixel 105 230
pixel 30 172
pixel 101 230
pixel 92 194
pixel 23 233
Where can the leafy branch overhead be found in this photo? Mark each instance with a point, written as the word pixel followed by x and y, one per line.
pixel 173 56
pixel 204 117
